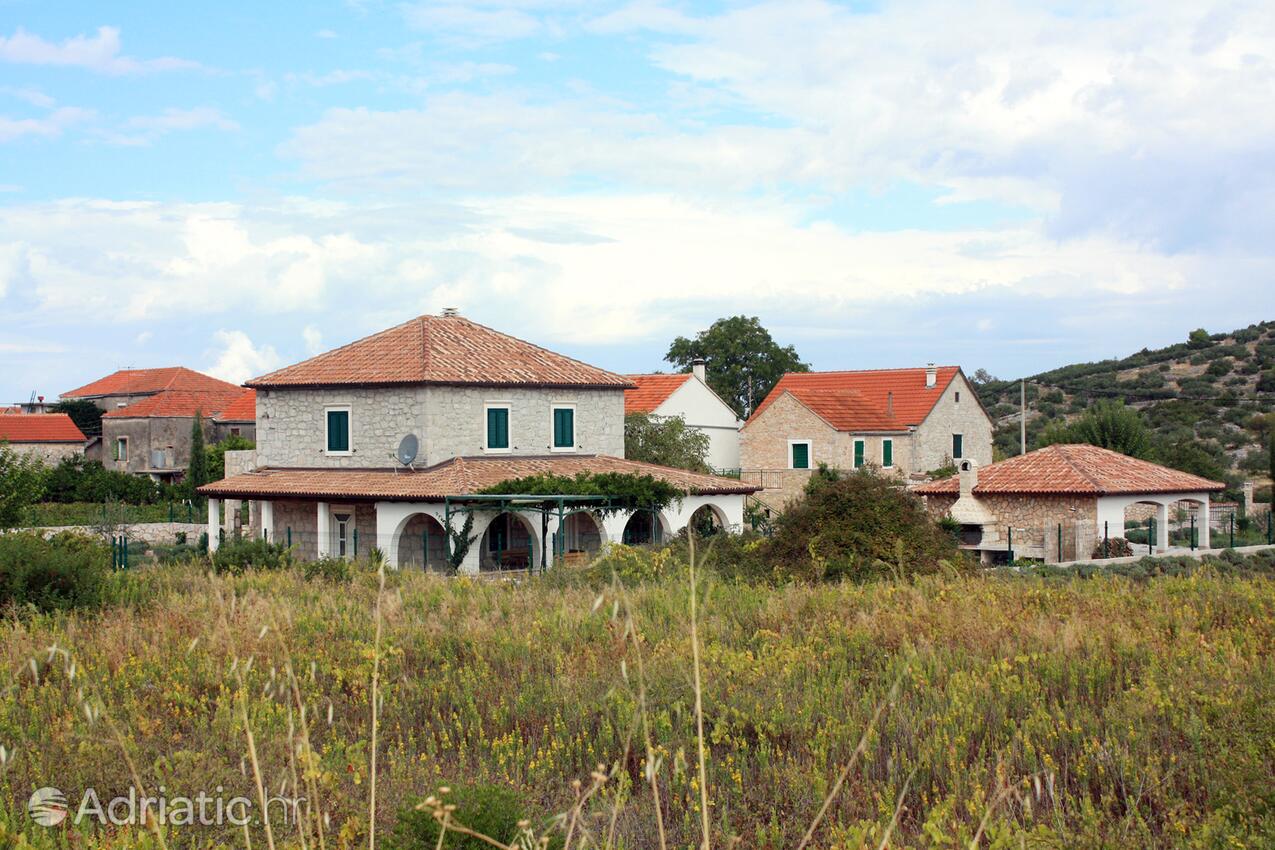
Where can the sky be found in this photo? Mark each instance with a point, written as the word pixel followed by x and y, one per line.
pixel 1012 186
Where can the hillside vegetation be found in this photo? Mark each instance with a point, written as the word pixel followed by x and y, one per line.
pixel 1214 392
pixel 1038 712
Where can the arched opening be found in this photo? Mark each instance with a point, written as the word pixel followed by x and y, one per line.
pixel 580 538
pixel 422 544
pixel 707 520
pixel 643 529
pixel 508 543
pixel 1147 525
pixel 1190 525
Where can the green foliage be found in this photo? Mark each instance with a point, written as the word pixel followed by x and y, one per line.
pixel 216 463
pixel 492 810
pixel 78 479
pixel 665 440
pixel 332 570
pixel 743 361
pixel 1199 338
pixel 461 539
pixel 1108 424
pixel 626 491
pixel 86 415
pixel 237 556
pixel 21 485
pixel 197 472
pixel 64 572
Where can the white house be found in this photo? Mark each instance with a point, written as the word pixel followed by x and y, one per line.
pixel 689 396
pixel 480 408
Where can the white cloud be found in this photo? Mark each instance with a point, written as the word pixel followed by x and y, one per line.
pixel 49 126
pixel 146 129
pixel 325 34
pixel 100 52
pixel 313 340
pixel 239 359
pixel 143 337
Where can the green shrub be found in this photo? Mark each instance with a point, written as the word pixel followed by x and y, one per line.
pixel 64 572
pixel 334 570
pixel 236 556
pixel 492 810
pixel 78 479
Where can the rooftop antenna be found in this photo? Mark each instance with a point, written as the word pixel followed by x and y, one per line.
pixel 407 449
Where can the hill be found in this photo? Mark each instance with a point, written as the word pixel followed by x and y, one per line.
pixel 1207 399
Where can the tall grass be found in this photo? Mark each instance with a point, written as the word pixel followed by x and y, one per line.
pixel 947 711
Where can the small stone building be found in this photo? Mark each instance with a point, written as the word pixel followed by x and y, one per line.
pixel 1059 503
pixel 237 419
pixel 47 436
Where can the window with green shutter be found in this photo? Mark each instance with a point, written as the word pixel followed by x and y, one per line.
pixel 338 430
pixel 564 428
pixel 957 446
pixel 858 453
pixel 887 453
pixel 800 455
pixel 497 427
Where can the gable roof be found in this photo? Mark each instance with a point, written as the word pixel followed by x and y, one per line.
pixel 39 428
pixel 650 391
pixel 455 477
pixel 441 350
pixel 149 381
pixel 1076 469
pixel 178 403
pixel 861 400
pixel 242 409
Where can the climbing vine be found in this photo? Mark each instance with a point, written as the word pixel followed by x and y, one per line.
pixel 626 491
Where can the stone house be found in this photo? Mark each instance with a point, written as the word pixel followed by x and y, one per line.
pixel 237 419
pixel 47 436
pixel 389 440
pixel 1060 502
pixel 904 422
pixel 689 397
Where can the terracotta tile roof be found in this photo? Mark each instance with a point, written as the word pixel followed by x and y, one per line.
pixel 1076 469
pixel 39 428
pixel 650 391
pixel 451 478
pixel 179 403
pixel 858 401
pixel 441 350
pixel 148 381
pixel 242 409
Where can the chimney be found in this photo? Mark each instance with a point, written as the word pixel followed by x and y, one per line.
pixel 698 369
pixel 931 376
pixel 889 404
pixel 969 478
pixel 450 313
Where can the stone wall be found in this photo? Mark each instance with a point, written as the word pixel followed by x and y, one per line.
pixel 1035 520
pixel 222 430
pixel 48 453
pixel 448 421
pixel 933 438
pixel 171 434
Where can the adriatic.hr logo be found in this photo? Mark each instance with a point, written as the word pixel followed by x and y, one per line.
pixel 47 806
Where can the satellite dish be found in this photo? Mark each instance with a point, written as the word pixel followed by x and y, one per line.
pixel 407 449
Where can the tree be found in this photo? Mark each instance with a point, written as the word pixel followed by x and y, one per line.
pixel 743 361
pixel 197 473
pixel 21 485
pixel 86 415
pixel 1199 338
pixel 216 465
pixel 982 376
pixel 1108 424
pixel 665 440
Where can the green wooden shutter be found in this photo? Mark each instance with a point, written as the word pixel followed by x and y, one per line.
pixel 800 455
pixel 858 453
pixel 957 446
pixel 887 452
pixel 497 427
pixel 338 430
pixel 564 428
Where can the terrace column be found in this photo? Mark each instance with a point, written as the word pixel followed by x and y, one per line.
pixel 321 529
pixel 267 521
pixel 214 524
pixel 1203 522
pixel 1162 528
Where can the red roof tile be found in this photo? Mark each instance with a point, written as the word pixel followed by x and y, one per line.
pixel 148 381
pixel 459 476
pixel 242 409
pixel 1076 469
pixel 39 428
pixel 441 350
pixel 179 403
pixel 650 391
pixel 858 401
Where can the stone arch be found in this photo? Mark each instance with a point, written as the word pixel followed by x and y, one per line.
pixel 707 519
pixel 420 542
pixel 580 537
pixel 645 528
pixel 508 542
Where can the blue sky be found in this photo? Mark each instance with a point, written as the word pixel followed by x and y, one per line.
pixel 1000 185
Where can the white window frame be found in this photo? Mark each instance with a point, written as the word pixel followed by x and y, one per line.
pixel 575 421
pixel 889 440
pixel 810 454
pixel 854 444
pixel 121 456
pixel 349 424
pixel 350 528
pixel 509 420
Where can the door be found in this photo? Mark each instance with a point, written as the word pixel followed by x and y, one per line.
pixel 342 527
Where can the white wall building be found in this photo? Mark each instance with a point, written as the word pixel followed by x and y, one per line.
pixel 689 396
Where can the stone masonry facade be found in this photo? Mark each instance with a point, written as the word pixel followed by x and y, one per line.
pixel 171 435
pixel 932 441
pixel 449 421
pixel 1035 520
pixel 48 453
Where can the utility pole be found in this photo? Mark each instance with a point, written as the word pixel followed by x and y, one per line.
pixel 1022 418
